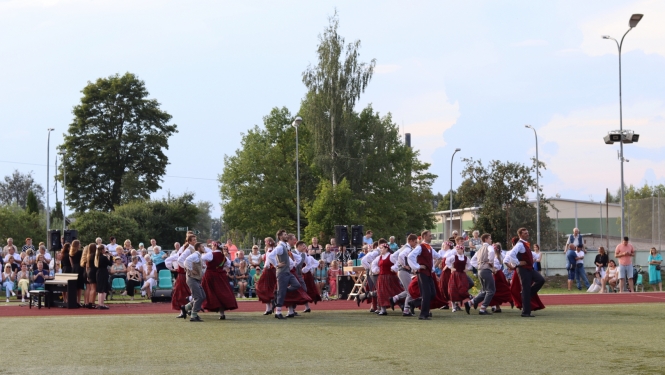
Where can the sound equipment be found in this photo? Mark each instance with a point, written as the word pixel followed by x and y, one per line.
pixel 357 235
pixel 71 235
pixel 342 235
pixel 344 287
pixel 54 240
pixel 161 295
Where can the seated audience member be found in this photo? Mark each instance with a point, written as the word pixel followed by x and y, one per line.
pixel 29 259
pixel 321 276
pixel 158 257
pixel 133 280
pixel 596 284
pixel 257 275
pixel 328 256
pixel 23 279
pixel 349 264
pixel 149 278
pixel 240 257
pixel 141 247
pixel 242 277
pixel 56 263
pixel 611 276
pixel 16 258
pixel 8 278
pixel 113 246
pixel 39 277
pixel 118 270
pixel 255 258
pixel 231 273
pixel 363 252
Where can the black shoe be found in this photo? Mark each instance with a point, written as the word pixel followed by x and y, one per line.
pixel 382 313
pixel 424 318
pixel 484 312
pixel 267 313
pixel 222 317
pixel 279 316
pixel 475 305
pixel 104 307
pixel 372 310
pixel 307 311
pixel 512 304
pixel 412 307
pixel 527 316
pixel 295 314
pixel 497 311
pixel 430 314
pixel 196 319
pixel 291 316
pixel 183 312
pixel 407 314
pixel 444 307
pixel 357 298
pixel 392 303
pixel 467 307
pixel 377 312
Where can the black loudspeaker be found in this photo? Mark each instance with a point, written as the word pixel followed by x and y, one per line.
pixel 342 235
pixel 161 295
pixel 54 240
pixel 344 286
pixel 71 235
pixel 357 235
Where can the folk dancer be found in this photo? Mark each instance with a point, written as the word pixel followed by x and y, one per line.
pixel 483 261
pixel 265 287
pixel 421 259
pixel 388 284
pixel 310 264
pixel 215 283
pixel 370 280
pixel 531 281
pixel 447 250
pixel 459 280
pixel 181 293
pixel 404 272
pixel 194 270
pixel 502 293
pixel 286 281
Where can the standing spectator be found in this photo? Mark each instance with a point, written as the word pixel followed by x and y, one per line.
pixel 571 264
pixel 65 261
pixel 158 257
pixel 8 278
pixel 625 252
pixel 580 273
pixel 537 257
pixel 601 261
pixel 576 239
pixel 10 246
pixel 393 245
pixel 102 263
pixel 368 238
pixel 232 248
pixel 39 277
pixel 314 249
pixel 475 243
pixel 328 256
pixel 28 245
pixel 655 261
pixel 112 246
pixel 255 258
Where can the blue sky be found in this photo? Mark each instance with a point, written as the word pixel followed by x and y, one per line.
pixel 454 74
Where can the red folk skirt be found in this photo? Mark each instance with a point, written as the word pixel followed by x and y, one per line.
pixel 296 297
pixel 265 287
pixel 458 288
pixel 437 301
pixel 181 292
pixel 312 290
pixel 443 284
pixel 388 286
pixel 502 294
pixel 219 295
pixel 516 293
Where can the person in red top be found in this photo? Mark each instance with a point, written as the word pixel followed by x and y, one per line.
pixel 233 250
pixel 215 283
pixel 625 253
pixel 388 284
pixel 421 259
pixel 531 281
pixel 265 287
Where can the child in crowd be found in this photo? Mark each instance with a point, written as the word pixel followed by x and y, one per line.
pixel 333 272
pixel 595 286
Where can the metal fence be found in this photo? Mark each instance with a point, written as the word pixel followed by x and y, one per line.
pixel 645 221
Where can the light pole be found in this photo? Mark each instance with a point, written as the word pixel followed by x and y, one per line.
pixel 64 194
pixel 537 187
pixel 634 20
pixel 296 123
pixel 48 166
pixel 451 191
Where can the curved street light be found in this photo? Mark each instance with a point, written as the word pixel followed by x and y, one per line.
pixel 296 123
pixel 451 193
pixel 537 187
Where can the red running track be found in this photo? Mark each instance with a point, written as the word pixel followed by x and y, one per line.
pixel 246 306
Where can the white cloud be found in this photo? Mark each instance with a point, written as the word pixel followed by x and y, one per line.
pixel 582 162
pixel 386 68
pixel 531 43
pixel 648 36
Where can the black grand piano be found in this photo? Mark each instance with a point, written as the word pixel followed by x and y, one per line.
pixel 62 282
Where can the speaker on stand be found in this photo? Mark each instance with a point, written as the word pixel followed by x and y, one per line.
pixel 71 235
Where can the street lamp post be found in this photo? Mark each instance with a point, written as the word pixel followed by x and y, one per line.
pixel 537 187
pixel 634 20
pixel 48 166
pixel 64 194
pixel 451 191
pixel 296 123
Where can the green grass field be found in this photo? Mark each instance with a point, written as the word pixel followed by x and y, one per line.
pixel 608 339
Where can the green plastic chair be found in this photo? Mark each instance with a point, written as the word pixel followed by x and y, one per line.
pixel 118 284
pixel 640 283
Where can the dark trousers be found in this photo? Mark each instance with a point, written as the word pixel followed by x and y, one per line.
pixel 528 277
pixel 160 266
pixel 488 288
pixel 131 287
pixel 427 292
pixel 286 282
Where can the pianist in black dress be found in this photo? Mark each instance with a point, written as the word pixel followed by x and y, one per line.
pixel 75 263
pixel 91 273
pixel 102 262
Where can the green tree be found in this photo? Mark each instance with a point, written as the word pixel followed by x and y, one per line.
pixel 334 85
pixel 331 207
pixel 93 224
pixel 15 189
pixel 31 203
pixel 116 141
pixel 641 211
pixel 258 185
pixel 18 223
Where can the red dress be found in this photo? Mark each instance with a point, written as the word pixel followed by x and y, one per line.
pixel 312 290
pixel 459 282
pixel 296 297
pixel 443 284
pixel 502 294
pixel 265 287
pixel 215 284
pixel 438 299
pixel 388 284
pixel 181 291
pixel 332 280
pixel 516 293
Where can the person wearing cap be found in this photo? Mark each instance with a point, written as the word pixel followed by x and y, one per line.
pixel 118 270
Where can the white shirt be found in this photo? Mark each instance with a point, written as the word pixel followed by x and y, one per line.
pixel 451 260
pixel 374 267
pixel 171 261
pixel 47 256
pixel 112 247
pixel 367 260
pixel 16 258
pixel 490 256
pixel 412 258
pixel 310 264
pixel 403 254
pixel 580 254
pixel 195 257
pixel 267 262
pixel 279 250
pixel 185 253
pixel 511 256
pixel 328 257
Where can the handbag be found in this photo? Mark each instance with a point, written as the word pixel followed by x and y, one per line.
pixel 658 267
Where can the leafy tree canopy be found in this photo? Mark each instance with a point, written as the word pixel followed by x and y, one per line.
pixel 15 189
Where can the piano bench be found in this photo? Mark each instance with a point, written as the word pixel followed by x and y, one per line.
pixel 40 294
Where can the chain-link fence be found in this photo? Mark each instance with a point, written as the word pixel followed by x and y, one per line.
pixel 645 222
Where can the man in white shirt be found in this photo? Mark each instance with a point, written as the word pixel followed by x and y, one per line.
pixel 404 270
pixel 483 261
pixel 286 282
pixel 421 260
pixel 520 257
pixel 580 273
pixel 112 246
pixel 370 280
pixel 194 268
pixel 576 239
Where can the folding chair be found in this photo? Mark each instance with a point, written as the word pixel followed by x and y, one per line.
pixel 118 284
